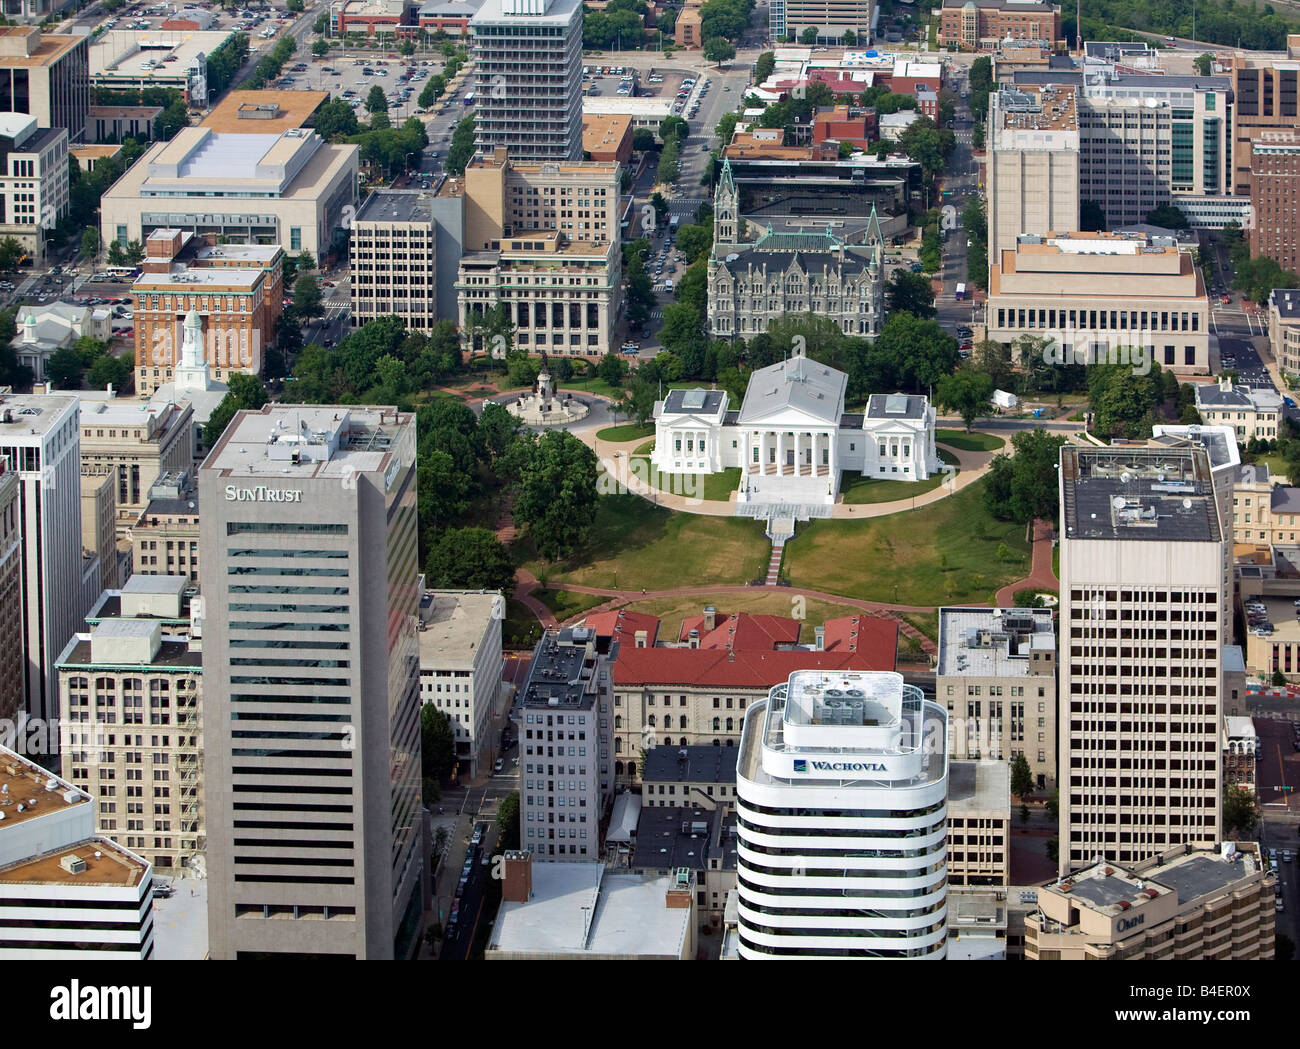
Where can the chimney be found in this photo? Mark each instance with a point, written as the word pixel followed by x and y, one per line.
pixel 680 888
pixel 819 633
pixel 517 885
pixel 710 617
pixel 694 639
pixel 641 638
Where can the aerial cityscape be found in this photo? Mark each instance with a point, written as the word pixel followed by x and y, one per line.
pixel 649 480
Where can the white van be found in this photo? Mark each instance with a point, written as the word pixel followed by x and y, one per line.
pixel 668 284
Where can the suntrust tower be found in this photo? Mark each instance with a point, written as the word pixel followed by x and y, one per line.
pixel 841 785
pixel 310 581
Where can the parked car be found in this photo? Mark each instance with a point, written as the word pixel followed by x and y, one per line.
pixel 498 765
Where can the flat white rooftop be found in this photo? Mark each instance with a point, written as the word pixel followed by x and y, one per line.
pixel 629 916
pixel 449 639
pixel 26 417
pixel 992 642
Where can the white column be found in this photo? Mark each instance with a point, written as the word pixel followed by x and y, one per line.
pixel 780 453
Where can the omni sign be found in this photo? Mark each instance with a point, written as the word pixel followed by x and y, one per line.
pixel 1124 924
pixel 262 494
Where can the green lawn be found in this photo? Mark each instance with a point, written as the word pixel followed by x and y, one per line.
pixel 566 603
pixel 857 489
pixel 626 432
pixel 644 449
pixel 943 553
pixel 969 442
pixel 636 544
pixel 597 386
pixel 521 628
pixel 1276 464
pixel 926 622
pixel 718 486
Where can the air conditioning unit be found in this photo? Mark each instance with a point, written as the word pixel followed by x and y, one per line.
pixel 73 864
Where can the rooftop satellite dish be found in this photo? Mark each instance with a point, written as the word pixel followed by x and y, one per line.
pixel 1187 504
pixel 1118 502
pixel 1125 477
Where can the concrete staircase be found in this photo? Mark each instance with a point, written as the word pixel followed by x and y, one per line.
pixel 774 563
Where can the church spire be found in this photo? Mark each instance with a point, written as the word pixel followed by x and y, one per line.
pixel 726 208
pixel 874 234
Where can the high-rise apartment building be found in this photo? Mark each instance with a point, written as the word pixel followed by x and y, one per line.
pixel 311 695
pixel 1142 587
pixel 12 670
pixel 528 67
pixel 1033 159
pixel 841 788
pixel 34 192
pixel 132 739
pixel 40 439
pixel 564 738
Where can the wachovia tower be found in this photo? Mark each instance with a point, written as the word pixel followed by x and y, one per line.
pixel 842 784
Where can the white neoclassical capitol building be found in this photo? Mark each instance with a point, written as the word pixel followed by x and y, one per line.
pixel 791 436
pixel 841 801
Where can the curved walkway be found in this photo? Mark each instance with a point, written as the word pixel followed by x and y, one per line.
pixel 1041 576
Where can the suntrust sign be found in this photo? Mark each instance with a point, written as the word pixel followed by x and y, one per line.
pixel 262 494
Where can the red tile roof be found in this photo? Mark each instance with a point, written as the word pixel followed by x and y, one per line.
pixel 622 626
pixel 851 633
pixel 742 631
pixel 721 668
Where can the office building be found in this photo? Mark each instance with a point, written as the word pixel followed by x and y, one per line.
pixel 40 439
pixel 1263 87
pixel 541 240
pixel 1117 297
pixel 691 775
pixel 460 668
pixel 997 677
pixel 528 61
pixel 979 824
pixel 1274 175
pixel 1240 752
pixel 222 301
pixel 861 751
pixel 33 183
pixel 1284 328
pixel 1250 413
pixel 118 123
pixel 12 647
pixel 586 911
pixel 288 189
pixel 1185 904
pixel 986 25
pixel 67 893
pixel 46 76
pixel 1142 588
pixel 1033 164
pixel 565 714
pixel 135 443
pixel 165 536
pixel 696 693
pixel 264 111
pixel 312 727
pixel 369 17
pixel 99 526
pixel 127 60
pixel 448 16
pixel 688 29
pixel 691 838
pixel 607 139
pixel 395 260
pixel 830 18
pixel 132 671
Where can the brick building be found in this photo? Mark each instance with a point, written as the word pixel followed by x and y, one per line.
pixel 985 25
pixel 1274 196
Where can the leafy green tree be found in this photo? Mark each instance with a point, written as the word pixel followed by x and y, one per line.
pixel 376 100
pixel 725 18
pixel 695 241
pixel 643 139
pixel 1240 810
pixel 336 120
pixel 432 91
pixel 669 162
pixel 319 25
pixel 764 67
pixel 809 36
pixel 307 302
pixel 462 147
pixel 673 127
pixel 1205 64
pixel 244 392
pixel 555 495
pixel 1170 216
pixel 320 48
pixel 717 50
pixel 1022 780
pixel 915 353
pixel 437 744
pixel 115 255
pixel 64 368
pixel 977 136
pixel 1023 486
pixel 469 559
pixel 994 360
pixel 508 822
pixel 112 371
pixel 967 392
pixel 90 243
pixel 910 293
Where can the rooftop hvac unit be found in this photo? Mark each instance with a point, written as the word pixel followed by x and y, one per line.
pixel 71 795
pixel 73 864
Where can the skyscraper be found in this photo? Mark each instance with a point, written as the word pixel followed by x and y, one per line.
pixel 311 703
pixel 1142 587
pixel 40 438
pixel 841 794
pixel 528 57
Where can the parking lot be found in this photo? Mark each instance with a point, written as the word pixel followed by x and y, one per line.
pixel 683 86
pixel 262 26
